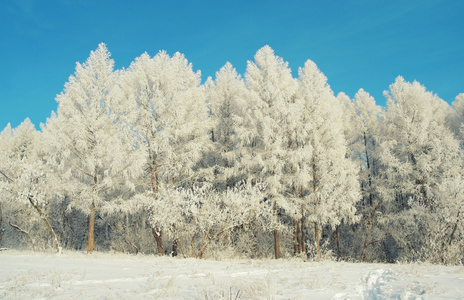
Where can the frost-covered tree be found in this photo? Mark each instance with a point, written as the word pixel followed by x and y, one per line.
pixel 456 118
pixel 446 238
pixel 420 154
pixel 163 104
pixel 349 116
pixel 418 147
pixel 328 181
pixel 365 148
pixel 202 215
pixel 227 101
pixel 6 137
pixel 262 152
pixel 5 141
pixel 26 177
pixel 91 156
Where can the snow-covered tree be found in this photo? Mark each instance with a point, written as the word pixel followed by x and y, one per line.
pixel 26 177
pixel 200 216
pixel 262 148
pixel 365 148
pixel 349 116
pixel 418 147
pixel 446 238
pixel 327 180
pixel 163 104
pixel 92 157
pixel 5 141
pixel 420 154
pixel 6 137
pixel 227 101
pixel 456 118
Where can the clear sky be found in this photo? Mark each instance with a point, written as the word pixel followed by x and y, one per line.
pixel 356 43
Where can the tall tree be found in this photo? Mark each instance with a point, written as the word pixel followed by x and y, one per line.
pixel 262 154
pixel 227 101
pixel 90 153
pixel 328 184
pixel 366 130
pixel 419 153
pixel 163 104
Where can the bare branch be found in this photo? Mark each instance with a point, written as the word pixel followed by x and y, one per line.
pixel 16 227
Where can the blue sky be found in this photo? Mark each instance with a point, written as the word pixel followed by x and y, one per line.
pixel 356 43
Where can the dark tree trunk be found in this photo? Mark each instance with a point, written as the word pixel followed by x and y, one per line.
pixel 1 221
pixel 299 237
pixel 91 228
pixel 276 235
pixel 317 238
pixel 276 244
pixel 157 234
pixel 174 247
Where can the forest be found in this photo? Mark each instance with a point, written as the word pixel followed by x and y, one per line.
pixel 150 159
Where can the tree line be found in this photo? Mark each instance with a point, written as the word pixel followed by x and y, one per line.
pixel 148 159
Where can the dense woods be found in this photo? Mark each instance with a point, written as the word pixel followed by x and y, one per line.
pixel 148 159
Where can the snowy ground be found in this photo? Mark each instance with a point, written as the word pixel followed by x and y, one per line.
pixel 26 275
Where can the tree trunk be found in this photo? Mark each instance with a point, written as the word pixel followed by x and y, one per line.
pixel 204 245
pixel 302 233
pixel 276 235
pixel 302 238
pixel 363 252
pixel 451 238
pixel 370 222
pixel 157 234
pixel 337 231
pixel 317 233
pixel 44 218
pixel 192 245
pixel 174 247
pixel 1 220
pixel 52 232
pixel 276 244
pixel 367 234
pixel 91 228
pixel 299 237
pixel 296 246
pixel 317 238
pixel 454 231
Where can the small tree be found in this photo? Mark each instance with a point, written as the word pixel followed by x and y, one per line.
pixel 202 215
pixel 25 174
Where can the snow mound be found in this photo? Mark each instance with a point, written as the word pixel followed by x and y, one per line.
pixel 376 285
pixel 383 284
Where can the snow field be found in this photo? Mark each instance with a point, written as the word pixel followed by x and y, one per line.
pixel 74 275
